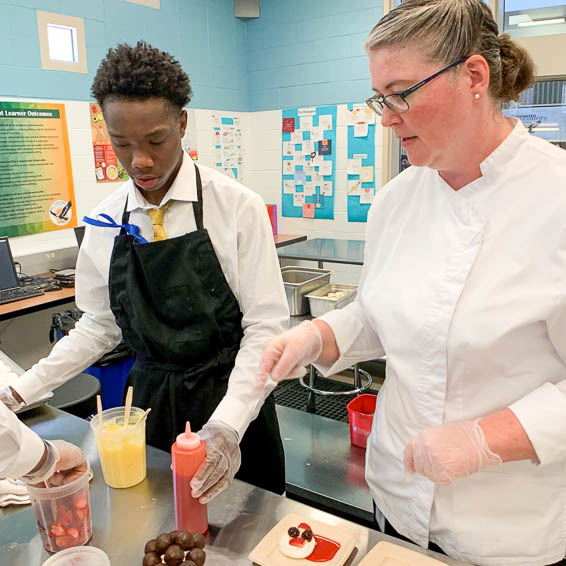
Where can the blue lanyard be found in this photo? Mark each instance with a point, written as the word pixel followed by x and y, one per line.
pixel 130 229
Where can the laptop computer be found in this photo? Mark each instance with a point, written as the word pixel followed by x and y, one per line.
pixel 10 289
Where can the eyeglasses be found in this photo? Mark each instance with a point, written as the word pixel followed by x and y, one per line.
pixel 397 102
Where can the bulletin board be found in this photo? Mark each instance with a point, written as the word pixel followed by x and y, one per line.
pixel 228 150
pixel 36 179
pixel 309 162
pixel 361 161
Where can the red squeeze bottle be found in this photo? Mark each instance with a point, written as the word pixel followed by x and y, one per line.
pixel 187 455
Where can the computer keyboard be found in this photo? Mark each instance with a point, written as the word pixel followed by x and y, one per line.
pixel 19 293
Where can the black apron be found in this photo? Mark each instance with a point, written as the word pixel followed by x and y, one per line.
pixel 180 317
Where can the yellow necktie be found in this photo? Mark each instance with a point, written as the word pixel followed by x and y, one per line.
pixel 156 216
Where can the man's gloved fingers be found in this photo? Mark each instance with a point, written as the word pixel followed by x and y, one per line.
pixel 215 490
pixel 209 472
pixel 70 455
pixel 285 366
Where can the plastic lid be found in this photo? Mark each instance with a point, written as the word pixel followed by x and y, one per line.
pixel 79 556
pixel 188 440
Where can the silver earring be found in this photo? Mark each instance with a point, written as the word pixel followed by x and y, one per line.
pixel 477 96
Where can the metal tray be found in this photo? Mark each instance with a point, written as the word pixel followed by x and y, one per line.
pixel 299 281
pixel 320 303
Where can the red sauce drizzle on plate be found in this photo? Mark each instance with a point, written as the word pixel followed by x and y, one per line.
pixel 324 550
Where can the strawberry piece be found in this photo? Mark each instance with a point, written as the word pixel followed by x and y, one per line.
pixel 304 526
pixel 80 501
pixel 65 541
pixel 297 541
pixel 73 532
pixel 81 514
pixel 58 530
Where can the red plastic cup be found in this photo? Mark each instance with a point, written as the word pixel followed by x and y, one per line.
pixel 360 417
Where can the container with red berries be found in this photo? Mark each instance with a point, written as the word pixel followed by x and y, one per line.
pixel 63 513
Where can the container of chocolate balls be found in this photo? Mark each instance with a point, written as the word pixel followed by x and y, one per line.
pixel 177 548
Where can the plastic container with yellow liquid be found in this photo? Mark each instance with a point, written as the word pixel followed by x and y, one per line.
pixel 121 449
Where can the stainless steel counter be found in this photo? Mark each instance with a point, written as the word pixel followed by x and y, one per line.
pixel 124 520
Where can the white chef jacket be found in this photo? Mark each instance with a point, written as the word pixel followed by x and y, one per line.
pixel 20 448
pixel 465 291
pixel 240 231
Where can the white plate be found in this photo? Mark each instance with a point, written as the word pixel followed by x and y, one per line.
pixel 267 552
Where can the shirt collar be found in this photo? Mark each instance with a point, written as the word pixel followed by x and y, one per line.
pixel 183 188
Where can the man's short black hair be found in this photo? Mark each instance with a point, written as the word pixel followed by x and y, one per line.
pixel 139 73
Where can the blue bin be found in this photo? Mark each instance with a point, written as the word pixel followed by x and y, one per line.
pixel 112 377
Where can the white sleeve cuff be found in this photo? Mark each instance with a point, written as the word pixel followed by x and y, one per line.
pixel 234 413
pixel 30 452
pixel 542 413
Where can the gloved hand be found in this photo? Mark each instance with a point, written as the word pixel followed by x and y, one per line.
pixel 286 356
pixel 449 452
pixel 7 397
pixel 64 462
pixel 71 464
pixel 222 461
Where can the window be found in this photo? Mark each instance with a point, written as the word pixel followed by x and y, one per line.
pixel 62 42
pixel 534 17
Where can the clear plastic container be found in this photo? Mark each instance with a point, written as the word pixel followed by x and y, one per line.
pixel 121 450
pixel 79 556
pixel 63 513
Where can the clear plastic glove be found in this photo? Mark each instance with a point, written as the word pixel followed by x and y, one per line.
pixel 222 461
pixel 64 463
pixel 7 397
pixel 449 452
pixel 71 464
pixel 286 356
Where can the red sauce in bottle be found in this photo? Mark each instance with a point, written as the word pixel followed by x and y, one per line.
pixel 324 550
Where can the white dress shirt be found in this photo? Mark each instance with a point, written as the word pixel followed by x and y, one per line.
pixel 20 448
pixel 240 231
pixel 465 291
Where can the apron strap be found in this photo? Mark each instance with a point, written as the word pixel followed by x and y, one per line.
pixel 197 206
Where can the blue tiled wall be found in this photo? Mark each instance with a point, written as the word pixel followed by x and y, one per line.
pixel 309 52
pixel 298 53
pixel 203 34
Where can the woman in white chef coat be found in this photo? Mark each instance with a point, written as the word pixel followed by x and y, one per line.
pixel 464 288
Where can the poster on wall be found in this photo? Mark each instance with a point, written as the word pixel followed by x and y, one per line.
pixel 36 179
pixel 309 162
pixel 361 161
pixel 107 168
pixel 228 151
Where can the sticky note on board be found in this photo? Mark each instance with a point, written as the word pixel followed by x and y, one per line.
pixel 354 166
pixel 306 122
pixel 354 187
pixel 308 210
pixel 361 130
pixel 366 174
pixel 297 136
pixel 325 121
pixel 317 133
pixel 325 167
pixel 366 196
pixel 308 188
pixel 298 199
pixel 308 147
pixel 325 147
pixel 288 125
pixel 326 188
pixel 288 187
pixel 288 167
pixel 288 148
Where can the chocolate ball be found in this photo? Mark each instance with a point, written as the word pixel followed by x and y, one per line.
pixel 198 556
pixel 162 542
pixel 184 540
pixel 188 563
pixel 149 546
pixel 174 555
pixel 199 540
pixel 173 533
pixel 151 558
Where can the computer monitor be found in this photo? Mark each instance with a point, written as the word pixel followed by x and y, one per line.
pixel 79 234
pixel 8 275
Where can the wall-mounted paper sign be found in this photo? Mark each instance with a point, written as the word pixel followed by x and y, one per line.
pixel 298 199
pixel 354 166
pixel 366 174
pixel 308 210
pixel 288 125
